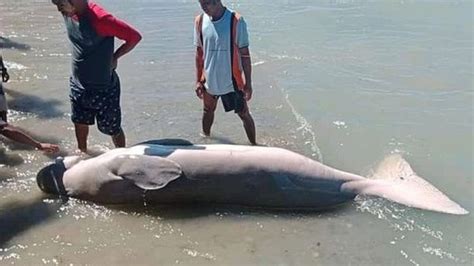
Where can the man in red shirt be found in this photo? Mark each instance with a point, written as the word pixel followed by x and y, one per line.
pixel 94 84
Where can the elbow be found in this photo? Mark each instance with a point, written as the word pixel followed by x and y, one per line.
pixel 199 56
pixel 134 40
pixel 138 37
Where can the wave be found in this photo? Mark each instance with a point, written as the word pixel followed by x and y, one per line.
pixel 306 129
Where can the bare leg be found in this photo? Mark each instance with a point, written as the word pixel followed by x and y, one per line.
pixel 119 139
pixel 82 131
pixel 249 126
pixel 207 121
pixel 3 116
pixel 210 104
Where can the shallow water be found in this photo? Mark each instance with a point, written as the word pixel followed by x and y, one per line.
pixel 344 82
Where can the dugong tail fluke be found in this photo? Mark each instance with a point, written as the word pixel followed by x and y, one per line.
pixel 395 180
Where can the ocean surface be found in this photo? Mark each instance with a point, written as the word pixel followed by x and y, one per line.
pixel 344 82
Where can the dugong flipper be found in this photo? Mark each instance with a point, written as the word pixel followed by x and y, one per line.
pixel 146 172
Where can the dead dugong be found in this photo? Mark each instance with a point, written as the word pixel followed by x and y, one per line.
pixel 176 171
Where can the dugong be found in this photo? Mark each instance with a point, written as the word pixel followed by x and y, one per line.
pixel 177 171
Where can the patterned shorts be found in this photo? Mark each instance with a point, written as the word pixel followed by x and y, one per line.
pixel 103 106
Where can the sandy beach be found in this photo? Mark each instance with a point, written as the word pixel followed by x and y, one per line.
pixel 343 82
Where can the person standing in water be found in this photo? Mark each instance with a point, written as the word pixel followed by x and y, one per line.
pixel 223 64
pixel 94 84
pixel 12 132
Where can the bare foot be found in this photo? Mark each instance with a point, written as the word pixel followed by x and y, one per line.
pixel 204 135
pixel 80 153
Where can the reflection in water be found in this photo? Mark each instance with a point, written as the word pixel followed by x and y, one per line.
pixel 89 231
pixel 17 217
pixel 8 44
pixel 408 222
pixel 42 107
pixel 8 160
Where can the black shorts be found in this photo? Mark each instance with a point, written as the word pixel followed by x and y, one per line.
pixel 233 101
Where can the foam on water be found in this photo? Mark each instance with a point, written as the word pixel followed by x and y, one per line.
pixel 306 129
pixel 14 66
pixel 404 222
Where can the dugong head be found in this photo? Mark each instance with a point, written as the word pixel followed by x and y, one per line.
pixel 50 178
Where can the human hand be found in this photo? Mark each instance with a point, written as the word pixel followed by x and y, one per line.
pixel 48 148
pixel 5 76
pixel 248 92
pixel 114 63
pixel 199 89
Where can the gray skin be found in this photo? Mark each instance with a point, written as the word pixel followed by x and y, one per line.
pixel 175 171
pixel 229 174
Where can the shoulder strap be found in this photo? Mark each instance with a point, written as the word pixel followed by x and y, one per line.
pixel 233 38
pixel 235 53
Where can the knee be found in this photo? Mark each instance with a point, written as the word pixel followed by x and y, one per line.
pixel 209 109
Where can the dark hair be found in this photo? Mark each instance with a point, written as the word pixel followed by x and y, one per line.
pixel 57 2
pixel 50 178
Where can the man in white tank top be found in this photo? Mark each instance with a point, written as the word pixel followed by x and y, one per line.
pixel 222 59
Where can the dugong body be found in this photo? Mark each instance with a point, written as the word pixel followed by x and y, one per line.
pixel 174 171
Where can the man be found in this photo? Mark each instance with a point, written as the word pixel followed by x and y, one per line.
pixel 14 133
pixel 95 86
pixel 222 54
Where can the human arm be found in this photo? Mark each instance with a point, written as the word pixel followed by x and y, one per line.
pixel 18 135
pixel 199 57
pixel 247 68
pixel 108 25
pixel 199 72
pixel 243 44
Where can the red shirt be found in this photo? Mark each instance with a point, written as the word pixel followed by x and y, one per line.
pixel 109 26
